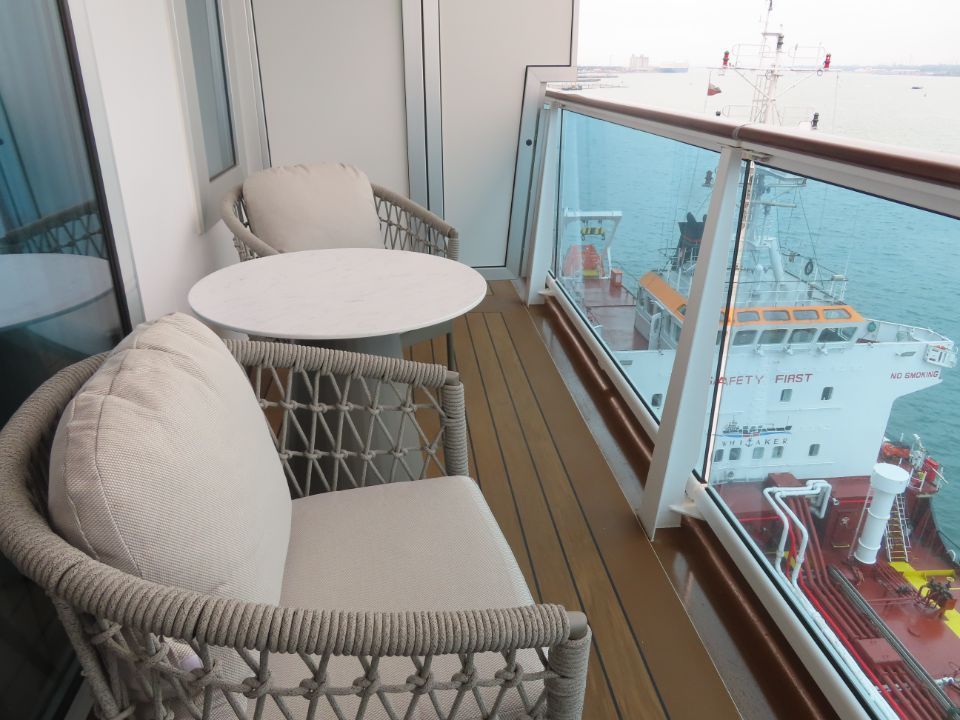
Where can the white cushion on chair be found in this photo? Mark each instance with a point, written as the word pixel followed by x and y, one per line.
pixel 163 466
pixel 422 545
pixel 312 207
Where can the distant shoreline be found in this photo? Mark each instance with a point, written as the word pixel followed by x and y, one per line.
pixel 910 70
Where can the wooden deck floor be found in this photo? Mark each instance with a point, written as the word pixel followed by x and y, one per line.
pixel 572 530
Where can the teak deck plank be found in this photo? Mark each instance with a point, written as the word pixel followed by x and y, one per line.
pixel 575 536
pixel 553 580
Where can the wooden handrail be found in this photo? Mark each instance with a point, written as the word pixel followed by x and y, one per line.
pixel 938 168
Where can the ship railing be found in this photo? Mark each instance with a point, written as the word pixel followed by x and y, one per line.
pixel 680 162
pixel 901 332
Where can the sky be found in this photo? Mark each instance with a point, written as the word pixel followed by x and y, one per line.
pixel 856 32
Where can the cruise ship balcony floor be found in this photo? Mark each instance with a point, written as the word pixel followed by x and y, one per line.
pixel 557 490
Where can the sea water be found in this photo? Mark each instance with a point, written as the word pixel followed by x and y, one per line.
pixel 902 264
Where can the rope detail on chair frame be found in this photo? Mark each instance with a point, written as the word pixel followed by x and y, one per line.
pixel 132 635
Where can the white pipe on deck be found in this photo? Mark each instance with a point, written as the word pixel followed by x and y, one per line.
pixel 887 481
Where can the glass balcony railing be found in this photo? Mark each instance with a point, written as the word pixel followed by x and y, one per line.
pixel 783 306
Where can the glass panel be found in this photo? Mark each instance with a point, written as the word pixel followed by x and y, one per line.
pixel 632 212
pixel 847 501
pixel 57 302
pixel 773 337
pixel 803 335
pixel 206 44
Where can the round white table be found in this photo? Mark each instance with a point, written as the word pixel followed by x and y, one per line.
pixel 345 294
pixel 41 286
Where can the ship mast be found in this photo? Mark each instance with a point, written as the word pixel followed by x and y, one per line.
pixel 764 108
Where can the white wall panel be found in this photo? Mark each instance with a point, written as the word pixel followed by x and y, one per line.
pixel 333 87
pixel 485 48
pixel 141 134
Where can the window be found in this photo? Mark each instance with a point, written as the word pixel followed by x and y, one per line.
pixel 836 314
pixel 777 451
pixel 657 399
pixel 718 456
pixel 748 316
pixel 814 450
pixel 776 315
pixel 786 395
pixel 806 314
pixel 758 453
pixel 734 453
pixel 772 337
pixel 210 73
pixel 745 337
pixel 798 337
pixel 215 70
pixel 827 393
pixel 830 335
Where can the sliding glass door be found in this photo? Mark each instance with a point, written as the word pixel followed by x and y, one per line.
pixel 58 301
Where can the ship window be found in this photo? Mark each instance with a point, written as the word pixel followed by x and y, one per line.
pixel 803 335
pixel 675 330
pixel 827 393
pixel 748 316
pixel 836 334
pixel 651 308
pixel 836 314
pixel 786 395
pixel 718 456
pixel 657 399
pixel 806 315
pixel 814 450
pixel 757 453
pixel 745 337
pixel 777 451
pixel 734 453
pixel 776 315
pixel 772 337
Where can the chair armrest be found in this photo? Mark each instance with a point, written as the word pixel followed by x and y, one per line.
pixel 409 226
pixel 338 417
pixel 248 245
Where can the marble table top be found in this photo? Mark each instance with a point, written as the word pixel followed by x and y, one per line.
pixel 339 294
pixel 39 286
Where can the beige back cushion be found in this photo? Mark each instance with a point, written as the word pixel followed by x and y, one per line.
pixel 312 207
pixel 163 466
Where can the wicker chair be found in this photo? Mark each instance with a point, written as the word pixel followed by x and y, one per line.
pixel 124 629
pixel 74 231
pixel 404 225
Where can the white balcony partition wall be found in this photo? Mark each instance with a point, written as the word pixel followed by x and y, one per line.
pixel 333 84
pixel 486 50
pixel 128 56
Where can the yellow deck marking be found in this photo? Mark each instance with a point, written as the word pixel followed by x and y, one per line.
pixel 918 578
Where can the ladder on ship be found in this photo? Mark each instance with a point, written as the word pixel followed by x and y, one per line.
pixel 898 533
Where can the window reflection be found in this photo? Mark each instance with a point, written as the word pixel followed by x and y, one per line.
pixel 57 301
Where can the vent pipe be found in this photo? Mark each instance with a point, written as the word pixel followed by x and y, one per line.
pixel 887 481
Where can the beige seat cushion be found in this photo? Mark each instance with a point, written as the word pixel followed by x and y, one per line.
pixel 423 545
pixel 163 466
pixel 312 207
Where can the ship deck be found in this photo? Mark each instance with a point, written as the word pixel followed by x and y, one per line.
pixel 934 641
pixel 612 309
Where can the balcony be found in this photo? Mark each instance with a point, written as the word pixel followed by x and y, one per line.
pixel 710 392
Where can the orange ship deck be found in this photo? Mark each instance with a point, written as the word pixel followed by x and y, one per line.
pixel 612 309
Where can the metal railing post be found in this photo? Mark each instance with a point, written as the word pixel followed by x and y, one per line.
pixel 543 224
pixel 687 404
